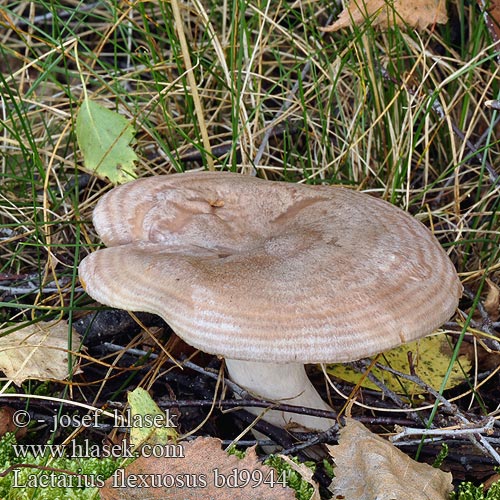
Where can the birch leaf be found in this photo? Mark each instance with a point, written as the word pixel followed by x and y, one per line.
pixel 368 467
pixel 156 427
pixel 104 137
pixel 38 351
pixel 431 359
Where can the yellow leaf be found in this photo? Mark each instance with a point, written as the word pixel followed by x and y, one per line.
pixel 431 358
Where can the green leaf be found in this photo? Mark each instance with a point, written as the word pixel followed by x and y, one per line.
pixel 104 138
pixel 148 423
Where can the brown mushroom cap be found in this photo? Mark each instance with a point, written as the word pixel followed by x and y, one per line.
pixel 270 271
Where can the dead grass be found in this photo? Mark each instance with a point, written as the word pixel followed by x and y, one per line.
pixel 399 114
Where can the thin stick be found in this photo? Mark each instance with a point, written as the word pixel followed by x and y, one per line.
pixel 459 431
pixel 474 436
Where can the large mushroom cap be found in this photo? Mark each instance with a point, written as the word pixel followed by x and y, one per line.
pixel 270 271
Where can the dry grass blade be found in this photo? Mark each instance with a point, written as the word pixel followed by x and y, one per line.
pixel 410 117
pixel 200 113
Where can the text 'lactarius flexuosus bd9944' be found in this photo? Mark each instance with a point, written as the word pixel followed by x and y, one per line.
pixel 270 275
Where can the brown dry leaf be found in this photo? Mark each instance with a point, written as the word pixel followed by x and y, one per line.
pixel 7 422
pixel 200 470
pixel 492 17
pixel 38 351
pixel 369 467
pixel 416 14
pixel 492 302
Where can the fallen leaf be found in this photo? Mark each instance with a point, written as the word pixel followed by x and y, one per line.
pixel 491 481
pixel 104 137
pixel 200 471
pixel 7 422
pixel 149 423
pixel 431 360
pixel 491 17
pixel 492 301
pixel 382 13
pixel 369 467
pixel 38 351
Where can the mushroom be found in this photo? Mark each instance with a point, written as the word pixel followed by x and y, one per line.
pixel 270 275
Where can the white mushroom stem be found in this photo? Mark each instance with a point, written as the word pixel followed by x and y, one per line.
pixel 282 383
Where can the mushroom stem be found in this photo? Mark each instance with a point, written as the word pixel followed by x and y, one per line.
pixel 283 383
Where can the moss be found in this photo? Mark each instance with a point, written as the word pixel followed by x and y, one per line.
pixel 285 474
pixel 467 491
pixel 303 490
pixel 52 478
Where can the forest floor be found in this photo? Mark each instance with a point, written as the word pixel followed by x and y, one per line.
pixel 409 116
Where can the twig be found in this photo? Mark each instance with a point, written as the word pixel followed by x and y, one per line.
pixel 280 436
pixel 477 439
pixel 362 365
pixel 436 106
pixel 244 395
pixel 462 431
pixel 48 17
pixel 486 324
pixel 40 467
pixel 32 284
pixel 33 288
pixel 317 438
